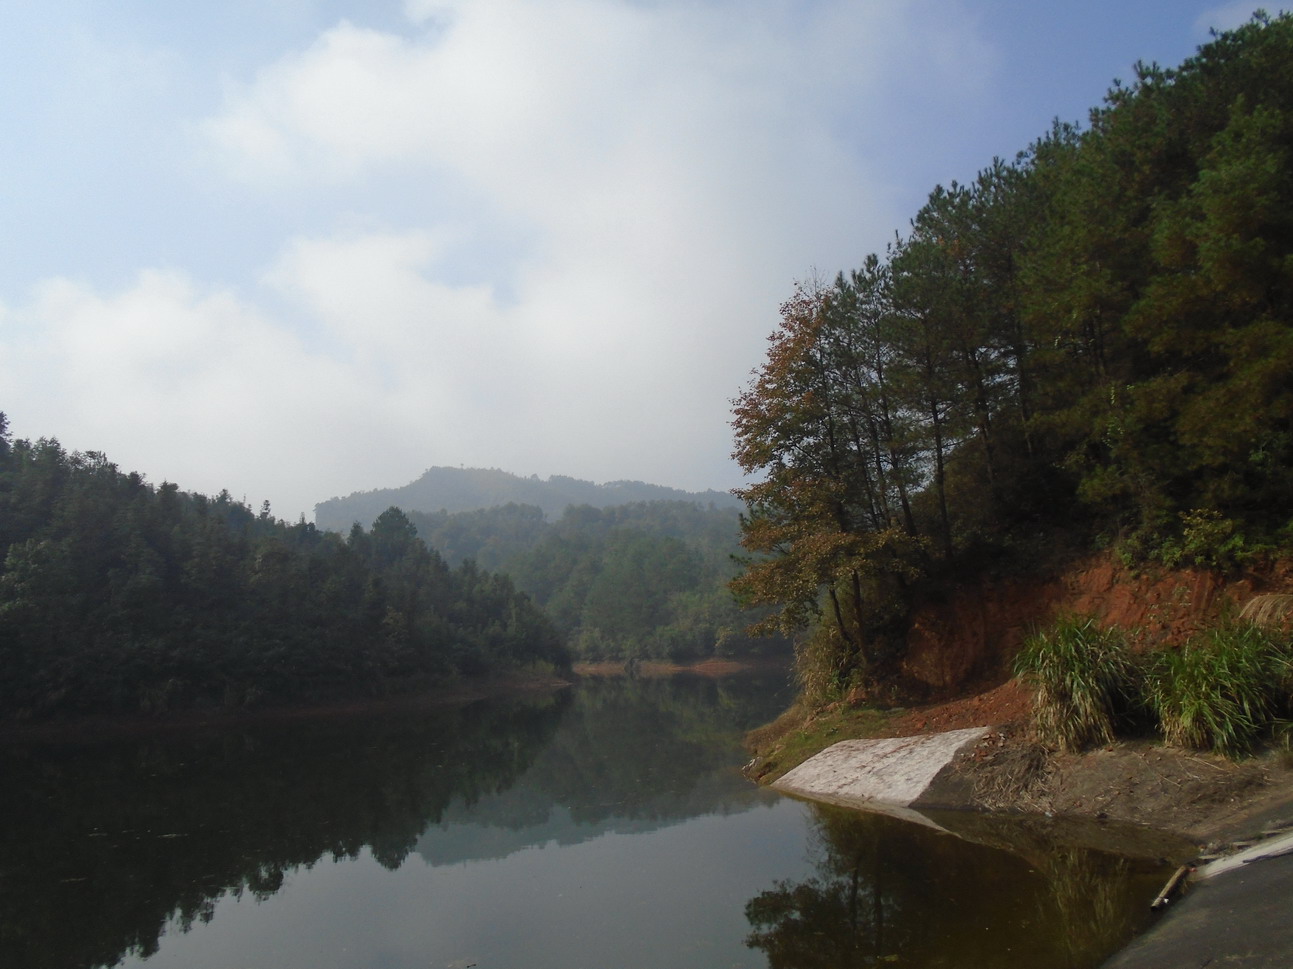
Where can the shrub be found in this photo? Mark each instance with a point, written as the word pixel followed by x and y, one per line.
pixel 1085 679
pixel 822 667
pixel 1221 690
pixel 1207 541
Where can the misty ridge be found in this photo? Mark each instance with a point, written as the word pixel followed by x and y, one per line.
pixel 623 570
pixel 469 489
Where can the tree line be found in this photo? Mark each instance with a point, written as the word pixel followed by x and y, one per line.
pixel 120 596
pixel 1089 345
pixel 643 580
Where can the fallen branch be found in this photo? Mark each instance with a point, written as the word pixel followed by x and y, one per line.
pixel 1173 885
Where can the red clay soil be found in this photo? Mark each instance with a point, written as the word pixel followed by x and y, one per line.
pixel 974 633
pixel 1009 703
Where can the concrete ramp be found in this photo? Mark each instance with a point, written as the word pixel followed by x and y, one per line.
pixel 890 773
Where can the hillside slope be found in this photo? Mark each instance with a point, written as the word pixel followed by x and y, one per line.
pixel 970 636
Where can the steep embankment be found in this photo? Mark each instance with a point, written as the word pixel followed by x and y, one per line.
pixel 960 653
pixel 970 637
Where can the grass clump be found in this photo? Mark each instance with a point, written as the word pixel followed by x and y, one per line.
pixel 1221 690
pixel 1085 679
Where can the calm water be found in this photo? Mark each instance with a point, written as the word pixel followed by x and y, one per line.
pixel 606 827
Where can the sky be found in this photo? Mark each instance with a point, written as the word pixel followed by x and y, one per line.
pixel 301 248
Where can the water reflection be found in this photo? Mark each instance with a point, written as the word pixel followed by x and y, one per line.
pixel 107 845
pixel 628 756
pixel 602 826
pixel 890 892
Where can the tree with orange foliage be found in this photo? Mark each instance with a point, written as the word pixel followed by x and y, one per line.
pixel 831 543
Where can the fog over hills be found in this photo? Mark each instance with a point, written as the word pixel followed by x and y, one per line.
pixel 468 489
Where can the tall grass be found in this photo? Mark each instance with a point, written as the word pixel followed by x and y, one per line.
pixel 818 667
pixel 1085 680
pixel 1273 611
pixel 1221 690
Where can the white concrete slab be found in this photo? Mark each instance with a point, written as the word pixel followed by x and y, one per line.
pixel 1268 848
pixel 892 771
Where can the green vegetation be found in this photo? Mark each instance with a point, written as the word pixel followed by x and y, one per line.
pixel 1086 681
pixel 624 570
pixel 644 580
pixel 117 596
pixel 804 730
pixel 1224 689
pixel 1090 345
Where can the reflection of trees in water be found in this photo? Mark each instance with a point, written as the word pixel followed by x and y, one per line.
pixel 628 756
pixel 1083 890
pixel 642 748
pixel 106 844
pixel 890 892
pixel 846 914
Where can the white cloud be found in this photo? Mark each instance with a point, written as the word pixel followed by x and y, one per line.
pixel 669 167
pixel 651 151
pixel 193 385
pixel 528 100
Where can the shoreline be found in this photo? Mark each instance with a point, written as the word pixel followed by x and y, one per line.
pixel 93 728
pixel 102 728
pixel 1200 796
pixel 714 667
pixel 1226 827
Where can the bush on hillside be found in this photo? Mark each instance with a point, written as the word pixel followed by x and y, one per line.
pixel 1086 681
pixel 1222 689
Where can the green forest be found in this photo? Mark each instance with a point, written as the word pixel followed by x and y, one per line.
pixel 644 580
pixel 1090 346
pixel 118 596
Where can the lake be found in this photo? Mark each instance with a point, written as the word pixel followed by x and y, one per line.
pixel 603 827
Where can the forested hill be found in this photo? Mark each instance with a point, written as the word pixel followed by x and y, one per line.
pixel 118 596
pixel 646 580
pixel 467 489
pixel 1090 346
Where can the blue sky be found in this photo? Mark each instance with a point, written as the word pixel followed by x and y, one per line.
pixel 301 248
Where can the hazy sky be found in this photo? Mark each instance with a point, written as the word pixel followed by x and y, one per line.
pixel 298 248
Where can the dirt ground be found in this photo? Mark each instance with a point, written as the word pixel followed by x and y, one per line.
pixel 1204 797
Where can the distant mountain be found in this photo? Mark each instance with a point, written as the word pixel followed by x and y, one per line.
pixel 468 489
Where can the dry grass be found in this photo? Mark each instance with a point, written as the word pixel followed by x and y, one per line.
pixel 1273 611
pixel 1014 778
